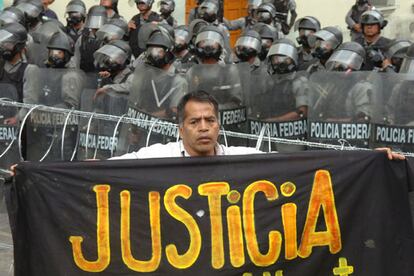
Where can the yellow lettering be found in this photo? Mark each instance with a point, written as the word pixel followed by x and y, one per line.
pixel 322 196
pixel 214 191
pixel 188 258
pixel 102 235
pixel 289 211
pixel 275 238
pixel 154 210
pixel 235 236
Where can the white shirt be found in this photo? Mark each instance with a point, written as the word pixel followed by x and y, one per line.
pixel 176 149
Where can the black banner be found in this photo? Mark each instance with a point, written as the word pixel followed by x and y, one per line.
pixel 312 213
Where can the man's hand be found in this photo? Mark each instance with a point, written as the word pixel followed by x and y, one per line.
pixel 131 25
pixel 357 28
pixel 104 74
pixel 391 155
pixel 11 121
pixel 13 170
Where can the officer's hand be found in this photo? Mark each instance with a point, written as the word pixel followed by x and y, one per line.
pixel 391 155
pixel 385 63
pixel 357 28
pixel 99 92
pixel 104 74
pixel 11 121
pixel 13 170
pixel 131 25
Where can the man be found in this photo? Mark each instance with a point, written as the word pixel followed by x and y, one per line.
pixel 111 7
pixel 210 45
pixel 395 54
pixel 194 12
pixel 306 27
pixel 75 18
pixel 283 7
pixel 199 130
pixel 353 18
pixel 372 22
pixel 167 7
pixel 145 16
pixel 248 47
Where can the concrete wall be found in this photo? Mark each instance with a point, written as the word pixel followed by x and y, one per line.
pixel 329 12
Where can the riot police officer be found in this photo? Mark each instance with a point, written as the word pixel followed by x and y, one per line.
pixel 114 29
pixel 12 15
pixel 32 10
pixel 14 68
pixel 183 57
pixel 75 18
pixel 372 22
pixel 159 51
pixel 88 43
pixel 167 7
pixel 283 8
pixel 245 22
pixel 113 60
pixel 306 26
pixel 395 54
pixel 145 16
pixel 353 18
pixel 61 49
pixel 324 43
pixel 290 99
pixel 248 47
pixel 209 45
pixel 268 34
pixel 194 12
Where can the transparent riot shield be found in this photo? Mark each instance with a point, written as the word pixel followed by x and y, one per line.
pixel 343 106
pixel 98 139
pixel 9 127
pixel 6 242
pixel 52 135
pixel 152 101
pixel 277 108
pixel 228 84
pixel 395 127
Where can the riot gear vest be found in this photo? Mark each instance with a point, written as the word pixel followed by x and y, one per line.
pixel 72 33
pixel 133 34
pixel 87 49
pixel 15 78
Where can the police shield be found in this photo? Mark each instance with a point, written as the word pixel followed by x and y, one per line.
pixel 51 134
pixel 395 127
pixel 277 108
pixel 343 105
pixel 9 127
pixel 228 84
pixel 98 139
pixel 152 105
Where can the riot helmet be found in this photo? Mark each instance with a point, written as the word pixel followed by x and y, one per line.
pixel 306 26
pixel 181 35
pixel 396 52
pixel 75 12
pixel 325 41
pixel 252 7
pixel 348 57
pixel 209 43
pixel 61 48
pixel 159 49
pixel 282 57
pixel 372 17
pixel 32 10
pixel 13 37
pixel 167 7
pixel 113 57
pixel 248 45
pixel 144 5
pixel 12 15
pixel 407 66
pixel 266 13
pixel 208 11
pixel 194 28
pixel 114 29
pixel 268 35
pixel 46 30
pixel 96 18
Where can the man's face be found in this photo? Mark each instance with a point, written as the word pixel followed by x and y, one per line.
pixel 200 128
pixel 371 30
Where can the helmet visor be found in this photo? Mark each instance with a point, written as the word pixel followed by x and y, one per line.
pixel 209 39
pixel 111 54
pixel 282 49
pixel 346 58
pixel 30 9
pixel 110 32
pixel 75 8
pixel 95 22
pixel 8 17
pixel 398 50
pixel 250 42
pixel 407 67
pixel 325 36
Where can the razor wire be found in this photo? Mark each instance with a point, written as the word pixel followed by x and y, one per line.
pixel 343 144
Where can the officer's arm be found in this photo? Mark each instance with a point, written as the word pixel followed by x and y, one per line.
pixel 348 19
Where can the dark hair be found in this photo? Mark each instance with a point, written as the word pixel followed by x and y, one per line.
pixel 197 96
